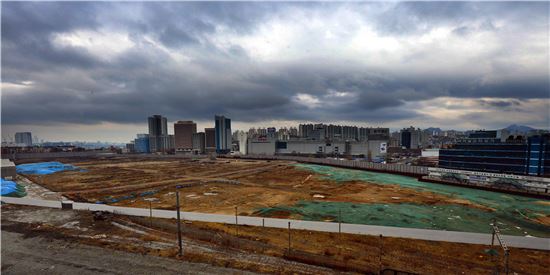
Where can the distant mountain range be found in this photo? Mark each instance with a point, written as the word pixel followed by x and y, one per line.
pixel 514 128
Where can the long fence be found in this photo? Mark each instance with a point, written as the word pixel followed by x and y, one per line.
pixel 388 231
pixel 403 169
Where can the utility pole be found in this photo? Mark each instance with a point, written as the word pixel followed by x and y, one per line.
pixel 289 238
pixel 493 237
pixel 340 222
pixel 380 255
pixel 496 232
pixel 236 221
pixel 150 214
pixel 180 252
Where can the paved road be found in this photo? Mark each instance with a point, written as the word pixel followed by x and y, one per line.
pixel 21 255
pixel 388 231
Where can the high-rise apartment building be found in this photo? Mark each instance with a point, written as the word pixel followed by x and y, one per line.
pixel 159 141
pixel 183 135
pixel 350 132
pixel 23 138
pixel 304 130
pixel 158 125
pixel 223 134
pixel 293 132
pixel 411 138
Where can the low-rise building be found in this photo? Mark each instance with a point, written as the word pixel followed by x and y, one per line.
pixel 141 143
pixel 364 149
pixel 261 146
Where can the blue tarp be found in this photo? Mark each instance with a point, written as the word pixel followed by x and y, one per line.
pixel 44 168
pixel 8 186
pixel 11 189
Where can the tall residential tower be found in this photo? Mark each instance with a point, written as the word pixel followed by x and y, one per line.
pixel 159 140
pixel 223 134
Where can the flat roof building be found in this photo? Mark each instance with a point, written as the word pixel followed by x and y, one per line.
pixel 23 138
pixel 487 152
pixel 199 141
pixel 210 139
pixel 183 135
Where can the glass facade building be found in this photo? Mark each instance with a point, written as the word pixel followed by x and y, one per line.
pixel 223 134
pixel 538 152
pixel 141 143
pixel 490 154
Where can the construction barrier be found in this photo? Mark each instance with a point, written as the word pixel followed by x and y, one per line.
pixel 388 231
pixel 410 170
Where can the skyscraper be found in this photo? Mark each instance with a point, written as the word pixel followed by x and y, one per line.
pixel 183 134
pixel 159 141
pixel 23 138
pixel 223 134
pixel 158 125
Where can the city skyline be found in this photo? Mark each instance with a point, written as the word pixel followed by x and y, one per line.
pixel 210 125
pixel 101 68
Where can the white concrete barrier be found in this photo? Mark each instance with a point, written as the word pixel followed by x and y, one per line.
pixel 387 231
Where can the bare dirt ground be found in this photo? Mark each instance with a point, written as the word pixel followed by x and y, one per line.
pixel 42 238
pixel 39 255
pixel 218 186
pixel 67 233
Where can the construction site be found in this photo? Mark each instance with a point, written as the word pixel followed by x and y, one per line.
pixel 285 189
pixel 282 189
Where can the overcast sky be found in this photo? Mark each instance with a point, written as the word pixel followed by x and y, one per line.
pixel 95 71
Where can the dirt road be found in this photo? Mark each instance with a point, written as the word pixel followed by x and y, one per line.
pixel 37 255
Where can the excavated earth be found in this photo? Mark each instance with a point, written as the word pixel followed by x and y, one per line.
pixel 220 185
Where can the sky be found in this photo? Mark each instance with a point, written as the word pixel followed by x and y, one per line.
pixel 96 70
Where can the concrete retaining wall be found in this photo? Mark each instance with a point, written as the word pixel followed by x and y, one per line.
pixel 379 167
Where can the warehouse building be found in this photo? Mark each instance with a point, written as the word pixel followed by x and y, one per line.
pixel 374 149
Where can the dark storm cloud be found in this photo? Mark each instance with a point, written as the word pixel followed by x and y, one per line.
pixel 500 103
pixel 27 30
pixel 73 84
pixel 414 17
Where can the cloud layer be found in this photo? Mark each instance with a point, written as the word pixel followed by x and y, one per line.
pixel 370 63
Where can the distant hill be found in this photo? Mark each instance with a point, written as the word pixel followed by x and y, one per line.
pixel 514 128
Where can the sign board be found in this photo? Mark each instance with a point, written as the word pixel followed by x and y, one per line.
pixel 383 147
